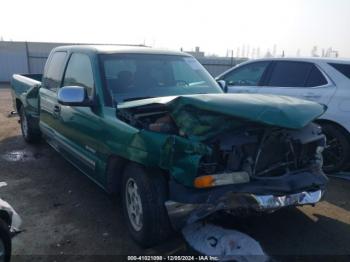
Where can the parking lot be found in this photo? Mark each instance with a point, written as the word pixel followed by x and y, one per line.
pixel 64 213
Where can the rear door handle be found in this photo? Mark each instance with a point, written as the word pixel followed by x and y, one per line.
pixel 312 96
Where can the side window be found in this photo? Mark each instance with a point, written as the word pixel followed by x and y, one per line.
pixel 289 74
pixel 342 68
pixel 79 73
pixel 247 75
pixel 316 78
pixel 295 74
pixel 53 75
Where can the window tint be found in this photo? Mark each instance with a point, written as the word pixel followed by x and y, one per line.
pixel 296 74
pixel 79 72
pixel 53 76
pixel 289 74
pixel 342 68
pixel 247 75
pixel 316 78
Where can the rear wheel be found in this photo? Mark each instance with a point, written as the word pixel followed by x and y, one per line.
pixel 143 197
pixel 30 134
pixel 337 153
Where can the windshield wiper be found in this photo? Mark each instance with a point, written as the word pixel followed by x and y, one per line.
pixel 137 98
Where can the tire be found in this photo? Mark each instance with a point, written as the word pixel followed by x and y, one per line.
pixel 30 134
pixel 337 153
pixel 5 242
pixel 145 194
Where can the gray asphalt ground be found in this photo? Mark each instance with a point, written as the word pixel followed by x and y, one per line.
pixel 64 213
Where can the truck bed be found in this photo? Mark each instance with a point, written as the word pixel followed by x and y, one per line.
pixel 24 89
pixel 21 83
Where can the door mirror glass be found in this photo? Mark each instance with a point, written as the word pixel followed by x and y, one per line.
pixel 73 96
pixel 223 85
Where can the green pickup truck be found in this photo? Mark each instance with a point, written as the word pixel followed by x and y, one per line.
pixel 155 127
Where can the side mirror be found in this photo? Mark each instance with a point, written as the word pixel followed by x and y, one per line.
pixel 73 96
pixel 223 85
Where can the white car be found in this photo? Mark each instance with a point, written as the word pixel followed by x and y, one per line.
pixel 326 81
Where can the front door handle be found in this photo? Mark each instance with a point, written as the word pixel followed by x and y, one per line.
pixel 56 111
pixel 57 108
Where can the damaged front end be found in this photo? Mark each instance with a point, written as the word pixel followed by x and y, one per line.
pixel 234 152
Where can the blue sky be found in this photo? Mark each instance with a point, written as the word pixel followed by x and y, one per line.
pixel 215 26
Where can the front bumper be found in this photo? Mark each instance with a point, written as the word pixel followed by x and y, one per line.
pixel 181 214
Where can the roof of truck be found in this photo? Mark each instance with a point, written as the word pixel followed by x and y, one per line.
pixel 110 49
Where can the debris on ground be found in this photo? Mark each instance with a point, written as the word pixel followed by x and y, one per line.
pixel 226 244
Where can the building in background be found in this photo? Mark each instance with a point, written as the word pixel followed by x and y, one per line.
pixel 196 53
pixel 30 58
pixel 216 64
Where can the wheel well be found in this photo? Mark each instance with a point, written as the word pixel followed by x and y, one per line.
pixel 18 104
pixel 329 122
pixel 5 216
pixel 115 168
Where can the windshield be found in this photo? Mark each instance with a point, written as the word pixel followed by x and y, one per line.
pixel 138 76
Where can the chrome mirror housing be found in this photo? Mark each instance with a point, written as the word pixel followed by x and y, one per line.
pixel 73 96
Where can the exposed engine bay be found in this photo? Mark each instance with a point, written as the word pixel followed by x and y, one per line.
pixel 265 151
pixel 153 118
pixel 243 148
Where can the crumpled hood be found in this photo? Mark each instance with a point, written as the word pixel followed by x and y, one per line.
pixel 209 111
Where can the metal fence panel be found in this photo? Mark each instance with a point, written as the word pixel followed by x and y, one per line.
pixel 13 59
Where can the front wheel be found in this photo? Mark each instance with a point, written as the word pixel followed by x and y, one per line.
pixel 143 197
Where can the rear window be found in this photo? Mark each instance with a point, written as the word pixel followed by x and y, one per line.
pixel 342 68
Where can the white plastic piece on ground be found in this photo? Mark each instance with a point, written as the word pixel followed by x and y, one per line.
pixel 2 184
pixel 16 219
pixel 226 244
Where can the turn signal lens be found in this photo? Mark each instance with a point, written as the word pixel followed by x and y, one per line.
pixel 204 181
pixel 222 179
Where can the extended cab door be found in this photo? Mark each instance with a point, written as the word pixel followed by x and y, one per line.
pixel 300 79
pixel 245 78
pixel 49 107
